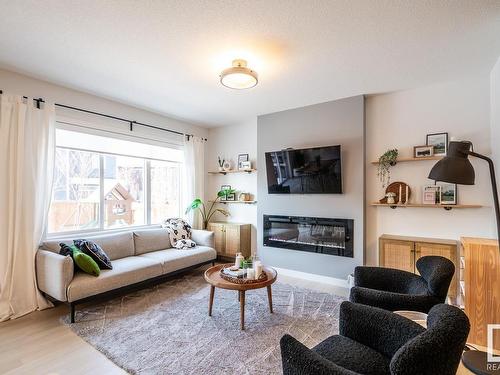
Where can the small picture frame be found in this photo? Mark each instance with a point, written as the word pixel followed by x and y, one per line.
pixel 246 165
pixel 423 151
pixel 439 141
pixel 431 194
pixel 231 197
pixel 242 158
pixel 225 187
pixel 448 193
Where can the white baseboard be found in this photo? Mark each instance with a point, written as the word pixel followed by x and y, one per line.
pixel 312 277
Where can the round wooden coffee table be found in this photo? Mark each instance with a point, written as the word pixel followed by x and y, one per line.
pixel 212 276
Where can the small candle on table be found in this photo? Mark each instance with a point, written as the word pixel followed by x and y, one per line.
pixel 400 200
pixel 250 273
pixel 407 194
pixel 257 268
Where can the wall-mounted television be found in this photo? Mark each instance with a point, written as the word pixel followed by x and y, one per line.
pixel 315 170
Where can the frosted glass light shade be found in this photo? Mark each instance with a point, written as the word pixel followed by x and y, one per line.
pixel 239 77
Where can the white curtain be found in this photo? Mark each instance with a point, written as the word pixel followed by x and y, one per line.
pixel 194 176
pixel 27 141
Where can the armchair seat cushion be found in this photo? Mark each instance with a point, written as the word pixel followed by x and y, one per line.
pixel 353 356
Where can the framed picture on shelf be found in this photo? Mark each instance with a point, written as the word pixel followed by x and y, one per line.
pixel 231 197
pixel 439 142
pixel 246 165
pixel 431 194
pixel 242 158
pixel 423 151
pixel 448 193
pixel 225 187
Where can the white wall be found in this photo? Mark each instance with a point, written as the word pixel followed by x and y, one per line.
pixel 337 122
pixel 228 142
pixel 402 120
pixel 17 84
pixel 495 117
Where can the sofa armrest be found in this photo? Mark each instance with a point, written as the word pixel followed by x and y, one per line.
pixel 54 272
pixel 379 329
pixel 203 237
pixel 297 359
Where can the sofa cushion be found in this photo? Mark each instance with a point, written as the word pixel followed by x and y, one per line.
pixel 151 240
pixel 94 251
pixel 86 263
pixel 116 246
pixel 203 237
pixel 125 271
pixel 176 259
pixel 82 261
pixel 346 353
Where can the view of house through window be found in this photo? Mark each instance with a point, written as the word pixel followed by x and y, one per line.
pixel 124 191
pixel 105 183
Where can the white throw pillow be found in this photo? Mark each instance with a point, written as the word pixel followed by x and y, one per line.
pixel 179 232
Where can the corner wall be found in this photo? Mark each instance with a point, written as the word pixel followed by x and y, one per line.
pixel 495 118
pixel 228 142
pixel 332 123
pixel 401 120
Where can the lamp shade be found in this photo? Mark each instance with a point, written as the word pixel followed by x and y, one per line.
pixel 239 77
pixel 455 168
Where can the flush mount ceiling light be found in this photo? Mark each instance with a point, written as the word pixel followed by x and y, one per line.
pixel 239 77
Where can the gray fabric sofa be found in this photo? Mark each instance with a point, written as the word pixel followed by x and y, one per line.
pixel 139 258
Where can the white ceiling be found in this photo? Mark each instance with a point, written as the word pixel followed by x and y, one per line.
pixel 166 55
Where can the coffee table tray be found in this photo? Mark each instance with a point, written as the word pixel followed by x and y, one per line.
pixel 242 280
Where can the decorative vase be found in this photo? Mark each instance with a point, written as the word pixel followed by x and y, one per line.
pixel 391 198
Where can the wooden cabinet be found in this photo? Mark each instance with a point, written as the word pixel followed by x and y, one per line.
pixel 482 288
pixel 402 252
pixel 231 238
pixel 397 254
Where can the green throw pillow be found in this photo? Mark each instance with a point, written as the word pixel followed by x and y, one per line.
pixel 85 262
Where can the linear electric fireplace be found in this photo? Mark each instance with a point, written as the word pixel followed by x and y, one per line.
pixel 312 234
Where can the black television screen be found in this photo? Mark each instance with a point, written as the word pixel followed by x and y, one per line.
pixel 315 170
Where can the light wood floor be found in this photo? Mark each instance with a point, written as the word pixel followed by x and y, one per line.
pixel 39 344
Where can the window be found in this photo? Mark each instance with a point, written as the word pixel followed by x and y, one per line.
pixel 165 187
pixel 103 183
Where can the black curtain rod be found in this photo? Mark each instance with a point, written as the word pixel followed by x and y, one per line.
pixel 130 122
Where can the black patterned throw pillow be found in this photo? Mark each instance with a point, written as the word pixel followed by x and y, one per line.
pixel 180 233
pixel 95 252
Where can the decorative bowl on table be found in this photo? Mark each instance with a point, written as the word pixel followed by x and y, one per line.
pixel 239 276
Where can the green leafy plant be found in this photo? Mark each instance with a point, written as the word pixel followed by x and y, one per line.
pixel 385 162
pixel 246 263
pixel 199 205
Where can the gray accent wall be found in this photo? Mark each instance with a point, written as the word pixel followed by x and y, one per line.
pixel 338 122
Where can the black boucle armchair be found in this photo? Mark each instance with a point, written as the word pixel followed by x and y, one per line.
pixel 393 289
pixel 373 341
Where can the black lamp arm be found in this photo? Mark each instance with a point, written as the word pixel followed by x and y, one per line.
pixel 493 186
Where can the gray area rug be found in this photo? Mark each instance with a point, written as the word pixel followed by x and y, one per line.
pixel 166 329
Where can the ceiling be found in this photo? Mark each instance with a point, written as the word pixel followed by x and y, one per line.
pixel 165 56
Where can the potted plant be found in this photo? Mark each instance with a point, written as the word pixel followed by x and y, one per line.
pixel 385 162
pixel 198 204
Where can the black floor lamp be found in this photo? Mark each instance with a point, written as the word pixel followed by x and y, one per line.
pixel 456 168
